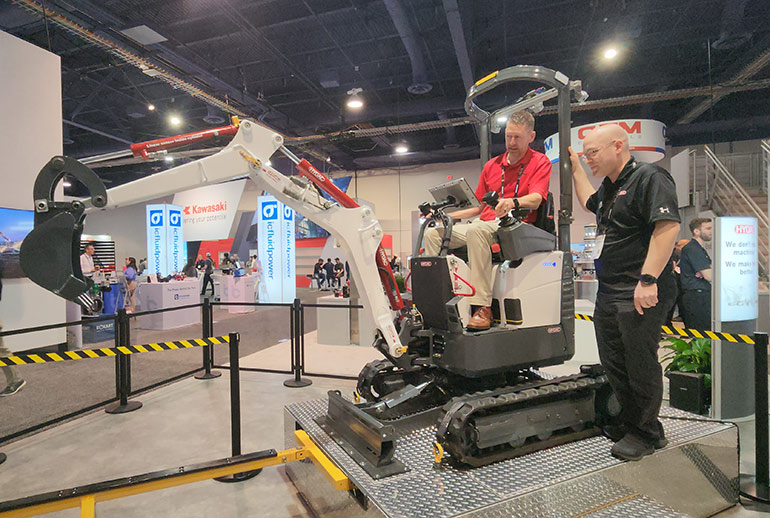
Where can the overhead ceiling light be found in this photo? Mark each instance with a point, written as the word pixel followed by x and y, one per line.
pixel 355 102
pixel 174 120
pixel 151 107
pixel 610 53
pixel 401 148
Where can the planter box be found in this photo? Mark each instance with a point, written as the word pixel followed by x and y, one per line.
pixel 687 391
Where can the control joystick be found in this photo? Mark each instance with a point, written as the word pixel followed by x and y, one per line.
pixel 492 198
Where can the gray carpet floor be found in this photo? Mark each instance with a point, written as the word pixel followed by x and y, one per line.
pixel 57 389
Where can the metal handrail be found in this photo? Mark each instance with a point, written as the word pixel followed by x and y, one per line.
pixel 726 188
pixel 765 145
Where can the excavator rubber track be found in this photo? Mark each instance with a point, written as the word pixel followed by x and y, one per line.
pixel 490 426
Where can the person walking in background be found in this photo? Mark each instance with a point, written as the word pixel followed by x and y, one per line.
pixel 208 269
pixel 13 381
pixel 695 266
pixel 329 271
pixel 131 281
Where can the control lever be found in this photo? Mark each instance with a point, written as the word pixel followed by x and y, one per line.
pixel 492 198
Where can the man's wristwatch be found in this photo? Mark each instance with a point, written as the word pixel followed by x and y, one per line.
pixel 648 280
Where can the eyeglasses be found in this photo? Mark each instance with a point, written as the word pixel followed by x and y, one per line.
pixel 591 153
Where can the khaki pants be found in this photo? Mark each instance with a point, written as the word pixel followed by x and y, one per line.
pixel 478 236
pixel 10 372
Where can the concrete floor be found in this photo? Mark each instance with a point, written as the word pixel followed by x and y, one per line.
pixel 184 423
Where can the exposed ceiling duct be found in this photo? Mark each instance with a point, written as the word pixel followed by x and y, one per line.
pixel 413 44
pixel 733 32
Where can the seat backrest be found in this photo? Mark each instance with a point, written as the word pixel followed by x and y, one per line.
pixel 544 219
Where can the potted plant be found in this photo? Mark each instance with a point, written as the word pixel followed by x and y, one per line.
pixel 689 373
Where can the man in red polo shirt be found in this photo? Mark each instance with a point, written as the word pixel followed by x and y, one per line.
pixel 521 177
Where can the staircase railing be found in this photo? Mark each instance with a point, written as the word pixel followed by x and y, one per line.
pixel 766 164
pixel 727 197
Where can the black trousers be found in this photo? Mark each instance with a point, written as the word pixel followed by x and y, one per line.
pixel 696 309
pixel 206 280
pixel 628 349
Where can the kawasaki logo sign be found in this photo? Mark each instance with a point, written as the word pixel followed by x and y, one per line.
pixel 208 212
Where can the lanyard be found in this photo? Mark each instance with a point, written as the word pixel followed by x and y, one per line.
pixel 605 212
pixel 518 179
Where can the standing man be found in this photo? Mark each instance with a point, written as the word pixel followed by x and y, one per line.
pixel 339 271
pixel 13 381
pixel 87 261
pixel 208 269
pixel 521 177
pixel 329 271
pixel 695 267
pixel 318 273
pixel 637 223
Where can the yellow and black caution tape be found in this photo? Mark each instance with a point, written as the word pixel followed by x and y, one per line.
pixel 25 359
pixel 693 333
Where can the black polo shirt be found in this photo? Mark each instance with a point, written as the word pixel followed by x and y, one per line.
pixel 694 259
pixel 626 212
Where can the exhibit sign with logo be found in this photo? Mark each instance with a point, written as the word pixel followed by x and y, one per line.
pixel 275 236
pixel 738 280
pixel 166 251
pixel 208 212
pixel 734 303
pixel 646 139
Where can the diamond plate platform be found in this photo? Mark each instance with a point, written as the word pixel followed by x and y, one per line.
pixel 695 475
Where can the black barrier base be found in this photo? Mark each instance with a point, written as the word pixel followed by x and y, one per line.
pixel 750 489
pixel 117 408
pixel 297 383
pixel 208 375
pixel 239 477
pixel 3 456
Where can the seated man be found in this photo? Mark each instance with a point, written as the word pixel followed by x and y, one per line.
pixel 521 177
pixel 318 273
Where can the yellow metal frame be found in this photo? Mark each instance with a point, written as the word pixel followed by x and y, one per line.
pixel 87 503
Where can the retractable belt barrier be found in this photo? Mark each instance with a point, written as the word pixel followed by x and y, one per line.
pixel 25 359
pixel 692 333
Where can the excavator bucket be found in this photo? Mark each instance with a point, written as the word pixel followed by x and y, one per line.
pixel 50 254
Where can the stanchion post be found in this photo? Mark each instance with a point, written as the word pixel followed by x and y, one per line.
pixel 123 339
pixel 297 340
pixel 208 351
pixel 757 487
pixel 235 411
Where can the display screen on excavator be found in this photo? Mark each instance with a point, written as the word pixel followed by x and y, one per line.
pixel 459 189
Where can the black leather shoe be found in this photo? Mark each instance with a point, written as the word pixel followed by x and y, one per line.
pixel 631 447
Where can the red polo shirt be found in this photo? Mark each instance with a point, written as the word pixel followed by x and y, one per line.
pixel 535 178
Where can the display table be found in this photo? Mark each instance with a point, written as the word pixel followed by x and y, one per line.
pixel 237 289
pixel 164 295
pixel 340 327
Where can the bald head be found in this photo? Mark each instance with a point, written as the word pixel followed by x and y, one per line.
pixel 607 134
pixel 606 151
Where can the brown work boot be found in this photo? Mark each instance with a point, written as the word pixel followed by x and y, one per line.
pixel 481 320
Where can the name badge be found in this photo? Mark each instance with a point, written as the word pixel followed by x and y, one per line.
pixel 596 253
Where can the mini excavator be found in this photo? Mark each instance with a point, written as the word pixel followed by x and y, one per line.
pixel 482 390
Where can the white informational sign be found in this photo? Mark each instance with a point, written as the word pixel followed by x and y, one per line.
pixel 737 277
pixel 646 139
pixel 156 239
pixel 288 255
pixel 166 250
pixel 176 251
pixel 209 211
pixel 275 237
